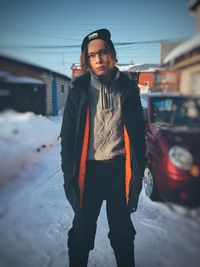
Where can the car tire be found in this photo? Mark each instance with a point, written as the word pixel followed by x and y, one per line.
pixel 149 183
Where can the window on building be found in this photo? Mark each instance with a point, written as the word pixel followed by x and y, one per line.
pixel 195 83
pixel 62 88
pixel 170 77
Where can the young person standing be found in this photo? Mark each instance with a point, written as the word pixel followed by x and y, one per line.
pixel 103 151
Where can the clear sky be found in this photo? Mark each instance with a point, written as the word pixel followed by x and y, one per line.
pixel 49 32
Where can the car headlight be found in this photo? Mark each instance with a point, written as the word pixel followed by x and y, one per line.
pixel 180 157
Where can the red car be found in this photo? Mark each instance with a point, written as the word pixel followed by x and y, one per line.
pixel 173 147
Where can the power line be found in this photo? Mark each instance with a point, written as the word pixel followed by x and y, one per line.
pixel 78 46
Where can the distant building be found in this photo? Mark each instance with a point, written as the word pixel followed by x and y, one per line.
pixel 76 70
pixel 142 74
pixel 22 94
pixel 165 49
pixel 166 80
pixel 151 77
pixel 41 90
pixel 185 58
pixel 127 69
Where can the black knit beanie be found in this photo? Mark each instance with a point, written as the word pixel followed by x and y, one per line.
pixel 103 34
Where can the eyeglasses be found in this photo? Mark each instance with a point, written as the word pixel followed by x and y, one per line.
pixel 102 54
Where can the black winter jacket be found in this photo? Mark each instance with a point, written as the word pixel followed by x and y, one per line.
pixel 72 133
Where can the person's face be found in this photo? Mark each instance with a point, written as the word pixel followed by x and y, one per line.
pixel 98 58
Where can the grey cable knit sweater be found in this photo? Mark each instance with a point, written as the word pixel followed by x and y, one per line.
pixel 106 130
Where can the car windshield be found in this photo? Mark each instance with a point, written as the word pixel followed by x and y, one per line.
pixel 176 110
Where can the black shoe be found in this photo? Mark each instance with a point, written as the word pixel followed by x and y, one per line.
pixel 125 258
pixel 77 259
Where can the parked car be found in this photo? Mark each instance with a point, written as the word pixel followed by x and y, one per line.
pixel 173 147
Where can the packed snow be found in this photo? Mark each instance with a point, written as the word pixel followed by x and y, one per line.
pixel 35 215
pixel 22 136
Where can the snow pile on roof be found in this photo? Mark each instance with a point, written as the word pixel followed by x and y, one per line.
pixel 183 48
pixel 125 67
pixel 15 79
pixel 76 66
pixel 22 137
pixel 139 67
pixel 7 77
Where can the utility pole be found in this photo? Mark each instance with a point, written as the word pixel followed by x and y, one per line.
pixel 63 62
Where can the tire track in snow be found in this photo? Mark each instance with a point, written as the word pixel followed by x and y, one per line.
pixel 156 227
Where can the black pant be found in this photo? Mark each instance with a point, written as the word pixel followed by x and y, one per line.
pixel 105 180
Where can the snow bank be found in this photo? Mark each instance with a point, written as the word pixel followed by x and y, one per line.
pixel 22 137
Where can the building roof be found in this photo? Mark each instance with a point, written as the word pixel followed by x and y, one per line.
pixel 139 67
pixel 33 66
pixel 7 77
pixel 183 48
pixel 75 66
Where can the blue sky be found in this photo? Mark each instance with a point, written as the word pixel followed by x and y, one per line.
pixel 42 32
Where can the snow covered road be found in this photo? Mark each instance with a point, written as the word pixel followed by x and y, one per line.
pixel 35 218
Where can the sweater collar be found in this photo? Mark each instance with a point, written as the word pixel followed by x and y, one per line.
pixel 97 81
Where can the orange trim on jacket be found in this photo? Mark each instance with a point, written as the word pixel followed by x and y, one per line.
pixel 127 164
pixel 82 169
